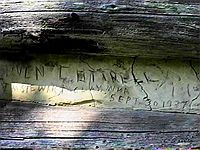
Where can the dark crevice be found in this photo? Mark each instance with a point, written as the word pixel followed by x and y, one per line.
pixel 138 82
pixel 59 45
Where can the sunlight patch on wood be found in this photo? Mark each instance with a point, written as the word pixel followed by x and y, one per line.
pixel 53 95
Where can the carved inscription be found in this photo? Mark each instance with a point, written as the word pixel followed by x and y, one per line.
pixel 129 82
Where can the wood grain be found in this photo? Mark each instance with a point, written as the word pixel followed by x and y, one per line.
pixel 144 28
pixel 104 27
pixel 31 125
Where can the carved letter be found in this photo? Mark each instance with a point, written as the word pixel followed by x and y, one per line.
pixel 80 76
pixel 39 71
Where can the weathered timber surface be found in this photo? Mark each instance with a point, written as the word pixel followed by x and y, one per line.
pixel 162 28
pixel 157 28
pixel 31 126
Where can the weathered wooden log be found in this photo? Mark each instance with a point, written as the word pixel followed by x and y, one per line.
pixel 138 102
pixel 128 28
pixel 75 127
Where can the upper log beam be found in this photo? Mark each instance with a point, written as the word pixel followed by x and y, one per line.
pixel 184 7
pixel 158 28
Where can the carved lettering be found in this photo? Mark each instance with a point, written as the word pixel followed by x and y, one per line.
pixel 39 72
pixel 121 99
pixel 112 97
pixel 19 69
pixel 26 73
pixel 139 85
pixel 91 75
pixel 81 76
pixel 128 99
pixel 113 76
pixel 110 88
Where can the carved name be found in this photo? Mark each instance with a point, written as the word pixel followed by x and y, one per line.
pixel 171 85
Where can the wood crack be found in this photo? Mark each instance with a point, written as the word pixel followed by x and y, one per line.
pixel 138 82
